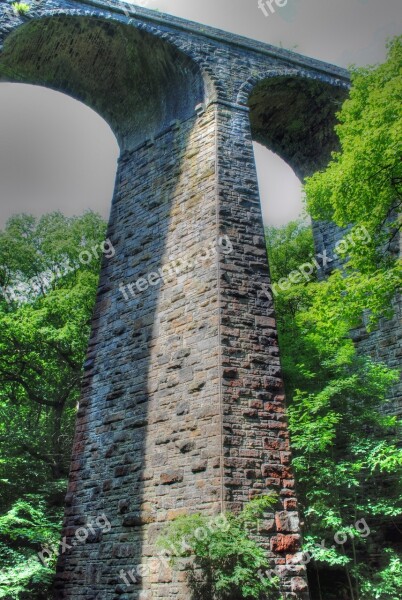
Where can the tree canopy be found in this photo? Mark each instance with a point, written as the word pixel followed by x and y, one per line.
pixel 49 273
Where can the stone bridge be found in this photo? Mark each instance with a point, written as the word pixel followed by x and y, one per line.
pixel 182 405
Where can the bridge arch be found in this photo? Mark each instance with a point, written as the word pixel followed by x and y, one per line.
pixel 293 114
pixel 138 81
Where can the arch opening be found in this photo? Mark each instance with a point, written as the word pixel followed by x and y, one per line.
pixel 280 189
pixel 38 174
pixel 294 117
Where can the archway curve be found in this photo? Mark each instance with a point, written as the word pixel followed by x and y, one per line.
pixel 281 191
pixel 303 135
pixel 138 82
pixel 48 163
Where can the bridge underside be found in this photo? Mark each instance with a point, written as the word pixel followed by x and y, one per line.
pixel 295 118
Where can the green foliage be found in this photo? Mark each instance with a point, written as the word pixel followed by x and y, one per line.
pixel 362 184
pixel 288 247
pixel 44 333
pixel 384 584
pixel 348 457
pixel 24 529
pixel 226 556
pixel 43 339
pixel 41 255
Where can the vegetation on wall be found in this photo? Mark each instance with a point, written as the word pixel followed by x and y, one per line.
pixel 21 8
pixel 226 557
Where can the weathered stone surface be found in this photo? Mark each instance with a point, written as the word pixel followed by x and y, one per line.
pixel 287 521
pixel 298 584
pixel 170 477
pixel 199 466
pixel 285 543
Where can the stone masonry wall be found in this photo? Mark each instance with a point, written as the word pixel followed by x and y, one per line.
pixel 147 446
pixel 385 342
pixel 256 443
pixel 166 365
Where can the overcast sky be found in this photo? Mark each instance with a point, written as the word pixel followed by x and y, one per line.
pixel 57 154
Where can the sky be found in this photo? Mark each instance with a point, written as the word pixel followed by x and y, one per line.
pixel 57 154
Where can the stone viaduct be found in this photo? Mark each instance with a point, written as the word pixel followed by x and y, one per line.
pixel 182 406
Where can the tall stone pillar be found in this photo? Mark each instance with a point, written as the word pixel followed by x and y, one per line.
pixel 256 439
pixel 148 440
pixel 183 406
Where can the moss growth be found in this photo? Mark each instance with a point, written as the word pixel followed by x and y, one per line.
pixel 21 8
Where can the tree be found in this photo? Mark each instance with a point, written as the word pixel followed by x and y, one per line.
pixel 227 563
pixel 49 273
pixel 347 452
pixel 363 182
